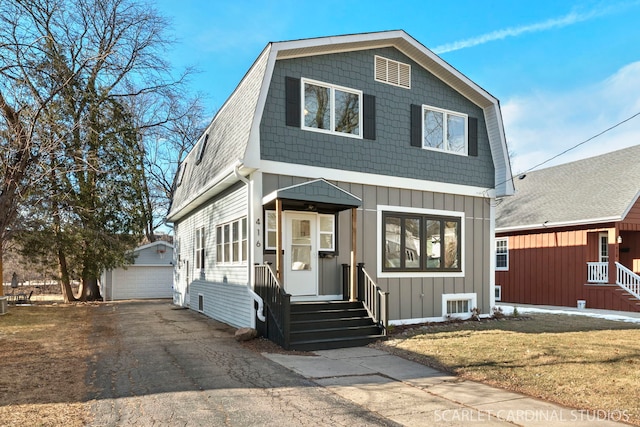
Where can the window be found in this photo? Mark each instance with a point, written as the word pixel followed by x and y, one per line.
pixel 332 109
pixel 498 293
pixel 421 242
pixel 326 232
pixel 231 242
pixel 181 171
pixel 270 230
pixel 444 130
pixel 392 72
pixel 199 248
pixel 458 305
pixel 203 146
pixel 502 254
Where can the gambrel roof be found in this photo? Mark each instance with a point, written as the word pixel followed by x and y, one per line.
pixel 595 190
pixel 234 133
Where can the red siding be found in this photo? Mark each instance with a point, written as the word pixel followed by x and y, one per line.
pixel 549 267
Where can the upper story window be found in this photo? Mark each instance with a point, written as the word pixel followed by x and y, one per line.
pixel 181 171
pixel 332 109
pixel 502 254
pixel 444 130
pixel 421 242
pixel 203 147
pixel 392 72
pixel 437 129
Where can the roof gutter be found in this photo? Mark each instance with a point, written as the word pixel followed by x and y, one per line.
pixel 548 224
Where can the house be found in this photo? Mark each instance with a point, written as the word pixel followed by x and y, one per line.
pixel 150 276
pixel 571 235
pixel 346 179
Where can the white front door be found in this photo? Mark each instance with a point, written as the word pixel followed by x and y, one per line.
pixel 300 254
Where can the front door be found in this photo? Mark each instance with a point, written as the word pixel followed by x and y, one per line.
pixel 300 254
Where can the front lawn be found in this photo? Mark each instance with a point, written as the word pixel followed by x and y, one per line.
pixel 577 361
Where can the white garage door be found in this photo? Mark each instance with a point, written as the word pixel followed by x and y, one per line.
pixel 142 282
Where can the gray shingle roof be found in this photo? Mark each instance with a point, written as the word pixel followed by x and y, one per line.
pixel 593 190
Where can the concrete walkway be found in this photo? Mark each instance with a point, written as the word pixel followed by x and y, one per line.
pixel 412 394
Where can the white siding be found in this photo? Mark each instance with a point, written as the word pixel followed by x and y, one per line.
pixel 225 302
pixel 224 284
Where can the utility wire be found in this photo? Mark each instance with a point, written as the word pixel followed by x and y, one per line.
pixel 573 147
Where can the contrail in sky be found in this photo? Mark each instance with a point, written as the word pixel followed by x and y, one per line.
pixel 564 21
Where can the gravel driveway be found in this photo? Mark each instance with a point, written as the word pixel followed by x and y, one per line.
pixel 158 365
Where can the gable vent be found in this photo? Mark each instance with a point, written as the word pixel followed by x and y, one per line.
pixel 392 72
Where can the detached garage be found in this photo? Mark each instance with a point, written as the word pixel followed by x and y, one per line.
pixel 151 275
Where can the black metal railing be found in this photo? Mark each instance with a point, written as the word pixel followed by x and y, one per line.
pixel 374 299
pixel 277 305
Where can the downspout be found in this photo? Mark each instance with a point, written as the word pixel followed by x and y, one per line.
pixel 256 297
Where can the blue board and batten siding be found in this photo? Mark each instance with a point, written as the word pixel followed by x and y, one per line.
pixel 391 152
pixel 223 288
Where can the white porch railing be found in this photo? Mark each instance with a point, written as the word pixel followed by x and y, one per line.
pixel 598 272
pixel 628 280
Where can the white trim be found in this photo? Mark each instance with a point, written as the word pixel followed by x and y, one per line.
pixel 307 171
pixel 492 255
pixel 446 113
pixel 128 266
pixel 631 205
pixel 332 107
pixel 156 243
pixel 559 224
pixel 272 196
pixel 495 252
pixel 497 294
pixel 471 297
pixel 399 274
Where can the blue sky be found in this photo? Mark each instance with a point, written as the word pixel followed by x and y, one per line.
pixel 563 71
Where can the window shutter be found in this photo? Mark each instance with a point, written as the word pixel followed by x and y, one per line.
pixel 368 116
pixel 292 94
pixel 473 136
pixel 416 125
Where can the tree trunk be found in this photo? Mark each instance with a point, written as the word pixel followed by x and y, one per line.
pixel 65 283
pixel 91 290
pixel 1 272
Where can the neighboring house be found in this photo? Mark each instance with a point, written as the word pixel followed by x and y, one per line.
pixel 150 276
pixel 572 233
pixel 358 166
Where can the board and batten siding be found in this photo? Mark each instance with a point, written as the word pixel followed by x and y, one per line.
pixel 410 297
pixel 213 280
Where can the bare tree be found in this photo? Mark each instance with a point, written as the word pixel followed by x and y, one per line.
pixel 71 71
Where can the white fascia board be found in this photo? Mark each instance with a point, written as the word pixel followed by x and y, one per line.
pixel 218 183
pixel 304 171
pixel 558 224
pixel 252 151
pixel 631 205
pixel 156 243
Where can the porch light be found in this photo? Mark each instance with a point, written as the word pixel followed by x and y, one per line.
pixel 619 239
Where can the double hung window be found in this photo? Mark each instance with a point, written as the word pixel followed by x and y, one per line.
pixel 502 254
pixel 199 246
pixel 420 242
